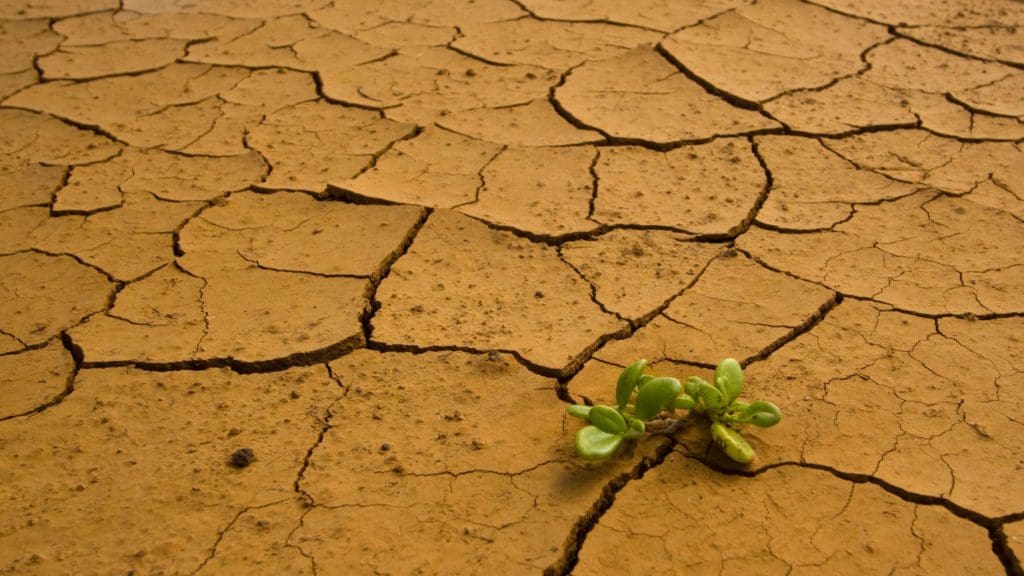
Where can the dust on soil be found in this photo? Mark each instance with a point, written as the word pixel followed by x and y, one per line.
pixel 304 286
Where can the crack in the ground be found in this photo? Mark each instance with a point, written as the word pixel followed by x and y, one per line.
pixel 992 525
pixel 895 31
pixel 595 185
pixel 632 326
pixel 710 88
pixel 974 110
pixel 325 426
pixel 372 304
pixel 298 359
pixel 69 384
pixel 578 534
pixel 531 14
pixel 593 287
pixel 893 307
pixel 222 532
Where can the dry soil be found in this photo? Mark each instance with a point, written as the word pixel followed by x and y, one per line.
pixel 305 286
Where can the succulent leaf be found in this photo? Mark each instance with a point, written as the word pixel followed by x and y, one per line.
pixel 729 377
pixel 628 381
pixel 656 396
pixel 761 413
pixel 608 419
pixel 730 441
pixel 592 443
pixel 579 411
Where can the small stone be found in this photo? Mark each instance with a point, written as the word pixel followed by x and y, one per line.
pixel 295 394
pixel 385 447
pixel 242 457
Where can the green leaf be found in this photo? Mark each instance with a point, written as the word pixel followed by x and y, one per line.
pixel 692 386
pixel 713 399
pixel 656 396
pixel 684 402
pixel 579 411
pixel 644 380
pixel 592 443
pixel 733 411
pixel 628 381
pixel 729 377
pixel 730 441
pixel 636 429
pixel 608 419
pixel 761 413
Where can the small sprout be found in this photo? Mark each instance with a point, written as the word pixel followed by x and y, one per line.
pixel 656 396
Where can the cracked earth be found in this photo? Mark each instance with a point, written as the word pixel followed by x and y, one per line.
pixel 382 245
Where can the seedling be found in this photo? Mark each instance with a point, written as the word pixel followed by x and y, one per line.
pixel 641 398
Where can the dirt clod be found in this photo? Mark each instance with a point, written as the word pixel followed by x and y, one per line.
pixel 242 457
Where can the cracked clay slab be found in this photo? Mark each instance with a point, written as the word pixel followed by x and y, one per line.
pixel 659 15
pixel 314 143
pixel 171 107
pixel 712 188
pixel 640 96
pixel 21 41
pixel 128 446
pixel 553 201
pixel 636 271
pixel 417 455
pixel 957 13
pixel 463 284
pixel 758 52
pixel 941 259
pixel 736 309
pixel 263 277
pixel 436 168
pixel 424 85
pixel 873 391
pixel 909 84
pixel 814 188
pixel 42 295
pixel 533 124
pixel 787 520
pixel 32 379
pixel 119 57
pixel 549 44
pixel 43 139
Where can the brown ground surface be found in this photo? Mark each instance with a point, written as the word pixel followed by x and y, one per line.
pixel 382 244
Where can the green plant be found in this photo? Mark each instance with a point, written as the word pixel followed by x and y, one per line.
pixel 642 398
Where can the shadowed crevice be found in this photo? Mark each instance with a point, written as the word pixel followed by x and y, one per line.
pixel 586 523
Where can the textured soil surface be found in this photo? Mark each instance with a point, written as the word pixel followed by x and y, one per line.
pixel 305 286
